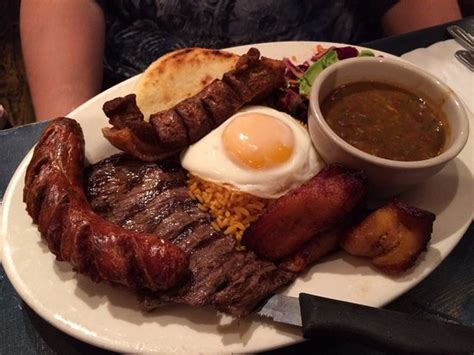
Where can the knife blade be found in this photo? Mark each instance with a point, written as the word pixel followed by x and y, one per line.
pixel 382 328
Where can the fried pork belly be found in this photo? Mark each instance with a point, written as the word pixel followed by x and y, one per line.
pixel 392 237
pixel 172 130
pixel 56 201
pixel 296 217
pixel 130 133
pixel 313 250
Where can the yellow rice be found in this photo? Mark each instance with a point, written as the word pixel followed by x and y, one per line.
pixel 232 211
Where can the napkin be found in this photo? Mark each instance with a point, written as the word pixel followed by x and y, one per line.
pixel 439 60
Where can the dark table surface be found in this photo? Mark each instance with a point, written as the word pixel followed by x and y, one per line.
pixel 438 296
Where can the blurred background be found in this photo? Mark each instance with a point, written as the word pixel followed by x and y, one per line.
pixel 14 94
pixel 16 108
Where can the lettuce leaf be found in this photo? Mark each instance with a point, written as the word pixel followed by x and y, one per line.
pixel 313 71
pixel 366 53
pixel 331 57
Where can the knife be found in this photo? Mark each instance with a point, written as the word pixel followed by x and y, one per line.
pixel 382 328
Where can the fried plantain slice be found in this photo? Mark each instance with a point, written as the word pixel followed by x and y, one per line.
pixel 393 236
pixel 297 216
pixel 319 246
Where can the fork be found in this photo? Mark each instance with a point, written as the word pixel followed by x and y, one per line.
pixel 462 36
pixel 466 57
pixel 465 39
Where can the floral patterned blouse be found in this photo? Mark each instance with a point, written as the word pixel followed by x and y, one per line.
pixel 140 31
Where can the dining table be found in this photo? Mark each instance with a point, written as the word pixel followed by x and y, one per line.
pixel 445 294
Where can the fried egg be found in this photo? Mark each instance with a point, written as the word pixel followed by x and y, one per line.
pixel 259 150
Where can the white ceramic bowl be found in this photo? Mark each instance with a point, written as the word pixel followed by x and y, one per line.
pixel 386 177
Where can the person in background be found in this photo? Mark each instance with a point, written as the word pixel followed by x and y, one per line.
pixel 74 49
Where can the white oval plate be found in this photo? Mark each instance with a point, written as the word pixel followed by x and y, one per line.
pixel 109 317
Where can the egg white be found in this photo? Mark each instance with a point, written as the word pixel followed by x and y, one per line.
pixel 208 160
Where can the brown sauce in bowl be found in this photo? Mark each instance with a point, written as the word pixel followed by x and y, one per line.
pixel 386 121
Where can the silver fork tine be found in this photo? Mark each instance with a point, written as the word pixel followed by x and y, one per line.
pixel 466 57
pixel 463 37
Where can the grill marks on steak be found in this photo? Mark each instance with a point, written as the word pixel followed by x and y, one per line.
pixel 172 130
pixel 128 192
pixel 153 198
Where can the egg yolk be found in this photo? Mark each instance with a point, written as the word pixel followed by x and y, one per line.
pixel 258 141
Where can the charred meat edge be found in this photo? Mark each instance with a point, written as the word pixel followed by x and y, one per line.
pixel 172 130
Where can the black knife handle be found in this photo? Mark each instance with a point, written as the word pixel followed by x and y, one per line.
pixel 389 330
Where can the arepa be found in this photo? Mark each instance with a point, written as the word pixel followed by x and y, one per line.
pixel 179 75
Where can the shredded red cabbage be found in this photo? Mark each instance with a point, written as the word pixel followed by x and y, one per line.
pixel 346 52
pixel 293 71
pixel 288 99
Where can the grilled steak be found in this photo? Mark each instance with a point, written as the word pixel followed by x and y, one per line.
pixel 172 130
pixel 153 198
pixel 56 201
